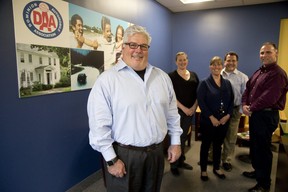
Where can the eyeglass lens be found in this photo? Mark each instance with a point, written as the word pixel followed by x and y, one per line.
pixel 143 47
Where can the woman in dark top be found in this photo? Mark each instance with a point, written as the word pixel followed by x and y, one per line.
pixel 185 85
pixel 215 99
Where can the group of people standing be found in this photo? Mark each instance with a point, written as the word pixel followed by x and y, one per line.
pixel 134 105
pixel 219 98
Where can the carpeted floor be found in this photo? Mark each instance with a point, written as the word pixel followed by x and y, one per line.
pixel 235 182
pixel 190 180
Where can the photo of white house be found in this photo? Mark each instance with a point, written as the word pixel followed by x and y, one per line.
pixel 39 69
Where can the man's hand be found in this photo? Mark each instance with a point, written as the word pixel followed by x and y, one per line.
pixel 118 169
pixel 246 110
pixel 174 152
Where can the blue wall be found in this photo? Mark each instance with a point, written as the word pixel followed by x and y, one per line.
pixel 43 140
pixel 204 34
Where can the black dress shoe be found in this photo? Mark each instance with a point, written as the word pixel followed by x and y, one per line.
pixel 221 176
pixel 204 178
pixel 185 166
pixel 227 167
pixel 251 175
pixel 258 188
pixel 175 171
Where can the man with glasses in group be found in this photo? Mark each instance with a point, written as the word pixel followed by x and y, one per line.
pixel 131 108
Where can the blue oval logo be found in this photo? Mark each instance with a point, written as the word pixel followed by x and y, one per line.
pixel 43 19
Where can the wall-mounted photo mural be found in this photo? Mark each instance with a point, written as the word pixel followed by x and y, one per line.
pixel 62 47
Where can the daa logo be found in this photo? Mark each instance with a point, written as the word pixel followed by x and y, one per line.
pixel 43 19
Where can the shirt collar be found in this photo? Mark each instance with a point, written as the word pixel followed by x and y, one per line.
pixel 226 73
pixel 268 67
pixel 121 65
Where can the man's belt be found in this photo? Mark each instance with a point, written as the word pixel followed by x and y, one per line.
pixel 147 148
pixel 269 109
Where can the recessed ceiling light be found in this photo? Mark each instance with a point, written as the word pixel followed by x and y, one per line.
pixel 193 1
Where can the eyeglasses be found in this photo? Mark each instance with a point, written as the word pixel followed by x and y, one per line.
pixel 143 47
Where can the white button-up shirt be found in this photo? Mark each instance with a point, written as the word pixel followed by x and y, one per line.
pixel 124 108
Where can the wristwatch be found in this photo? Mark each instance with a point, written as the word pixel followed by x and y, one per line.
pixel 112 162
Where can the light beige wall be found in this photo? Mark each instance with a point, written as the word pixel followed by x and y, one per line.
pixel 283 51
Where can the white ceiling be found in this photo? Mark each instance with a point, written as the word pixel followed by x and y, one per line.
pixel 178 6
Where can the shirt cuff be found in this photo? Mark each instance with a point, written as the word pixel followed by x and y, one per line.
pixel 109 154
pixel 175 140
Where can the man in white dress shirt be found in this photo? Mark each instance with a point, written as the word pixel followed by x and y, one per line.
pixel 238 81
pixel 131 107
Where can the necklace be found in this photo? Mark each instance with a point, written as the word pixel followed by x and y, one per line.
pixel 184 74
